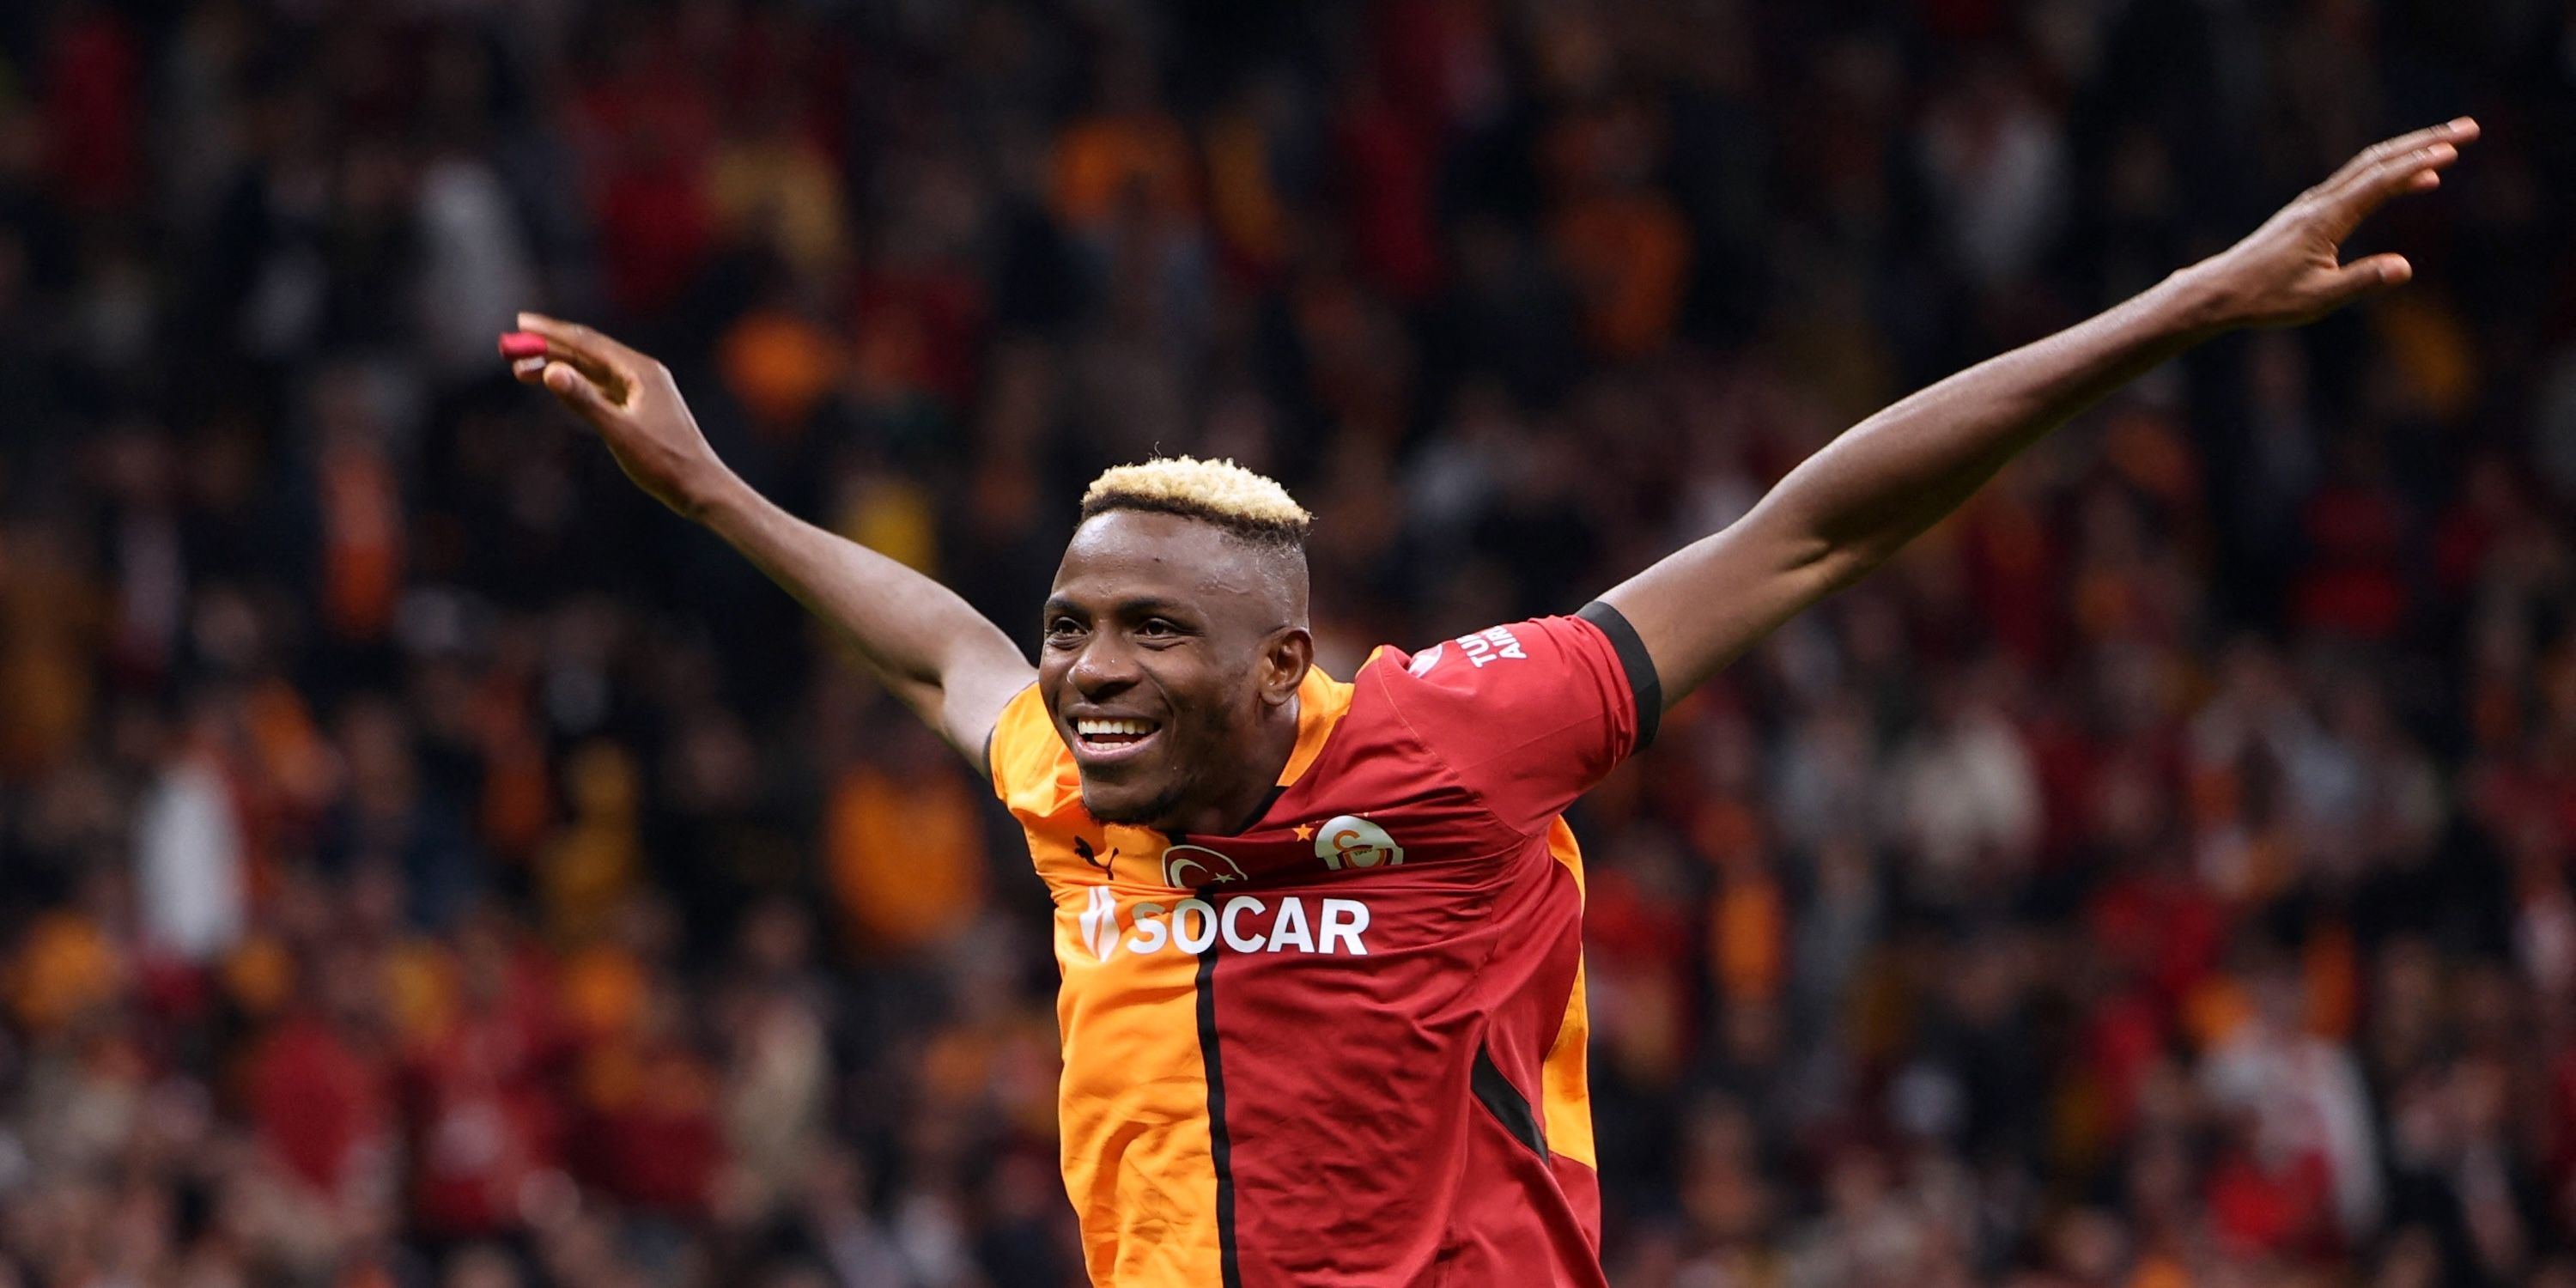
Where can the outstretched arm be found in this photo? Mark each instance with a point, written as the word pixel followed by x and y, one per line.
pixel 1846 509
pixel 946 661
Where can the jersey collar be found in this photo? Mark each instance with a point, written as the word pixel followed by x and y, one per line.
pixel 1321 703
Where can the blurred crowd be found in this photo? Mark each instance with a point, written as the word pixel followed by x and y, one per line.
pixel 426 864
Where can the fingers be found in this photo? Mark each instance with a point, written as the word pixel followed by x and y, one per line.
pixel 2414 171
pixel 2350 284
pixel 2408 163
pixel 2455 131
pixel 2381 271
pixel 2367 277
pixel 613 366
pixel 532 371
pixel 574 389
pixel 580 340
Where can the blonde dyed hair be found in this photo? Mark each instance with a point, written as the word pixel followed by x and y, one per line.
pixel 1248 505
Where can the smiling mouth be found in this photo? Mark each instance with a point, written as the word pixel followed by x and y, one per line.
pixel 1107 739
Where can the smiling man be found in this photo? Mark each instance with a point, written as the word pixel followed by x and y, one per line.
pixel 1322 998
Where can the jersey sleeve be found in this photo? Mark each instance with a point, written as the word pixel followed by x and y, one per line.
pixel 1533 713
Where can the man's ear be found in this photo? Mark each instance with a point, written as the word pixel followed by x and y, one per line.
pixel 1284 660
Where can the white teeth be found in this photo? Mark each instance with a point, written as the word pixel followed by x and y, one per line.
pixel 1088 728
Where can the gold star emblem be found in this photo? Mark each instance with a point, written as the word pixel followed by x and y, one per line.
pixel 1305 831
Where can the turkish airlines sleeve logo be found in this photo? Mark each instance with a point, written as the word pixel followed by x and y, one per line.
pixel 1354 842
pixel 1490 645
pixel 1485 647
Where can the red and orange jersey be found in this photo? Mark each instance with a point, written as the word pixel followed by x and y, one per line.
pixel 1345 1045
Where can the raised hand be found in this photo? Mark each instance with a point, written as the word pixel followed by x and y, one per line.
pixel 633 403
pixel 2290 270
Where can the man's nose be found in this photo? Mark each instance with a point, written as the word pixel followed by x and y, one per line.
pixel 1103 669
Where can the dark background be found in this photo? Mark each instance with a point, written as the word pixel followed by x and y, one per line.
pixel 424 861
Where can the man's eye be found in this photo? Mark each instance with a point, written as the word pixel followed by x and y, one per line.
pixel 1156 627
pixel 1063 628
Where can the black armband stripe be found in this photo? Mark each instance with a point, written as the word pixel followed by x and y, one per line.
pixel 1642 681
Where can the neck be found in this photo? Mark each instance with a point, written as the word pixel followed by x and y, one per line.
pixel 1273 741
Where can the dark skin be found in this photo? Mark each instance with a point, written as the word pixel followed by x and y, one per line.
pixel 1175 622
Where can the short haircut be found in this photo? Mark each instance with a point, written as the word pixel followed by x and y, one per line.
pixel 1244 504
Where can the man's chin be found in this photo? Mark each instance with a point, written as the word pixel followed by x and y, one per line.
pixel 1125 806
